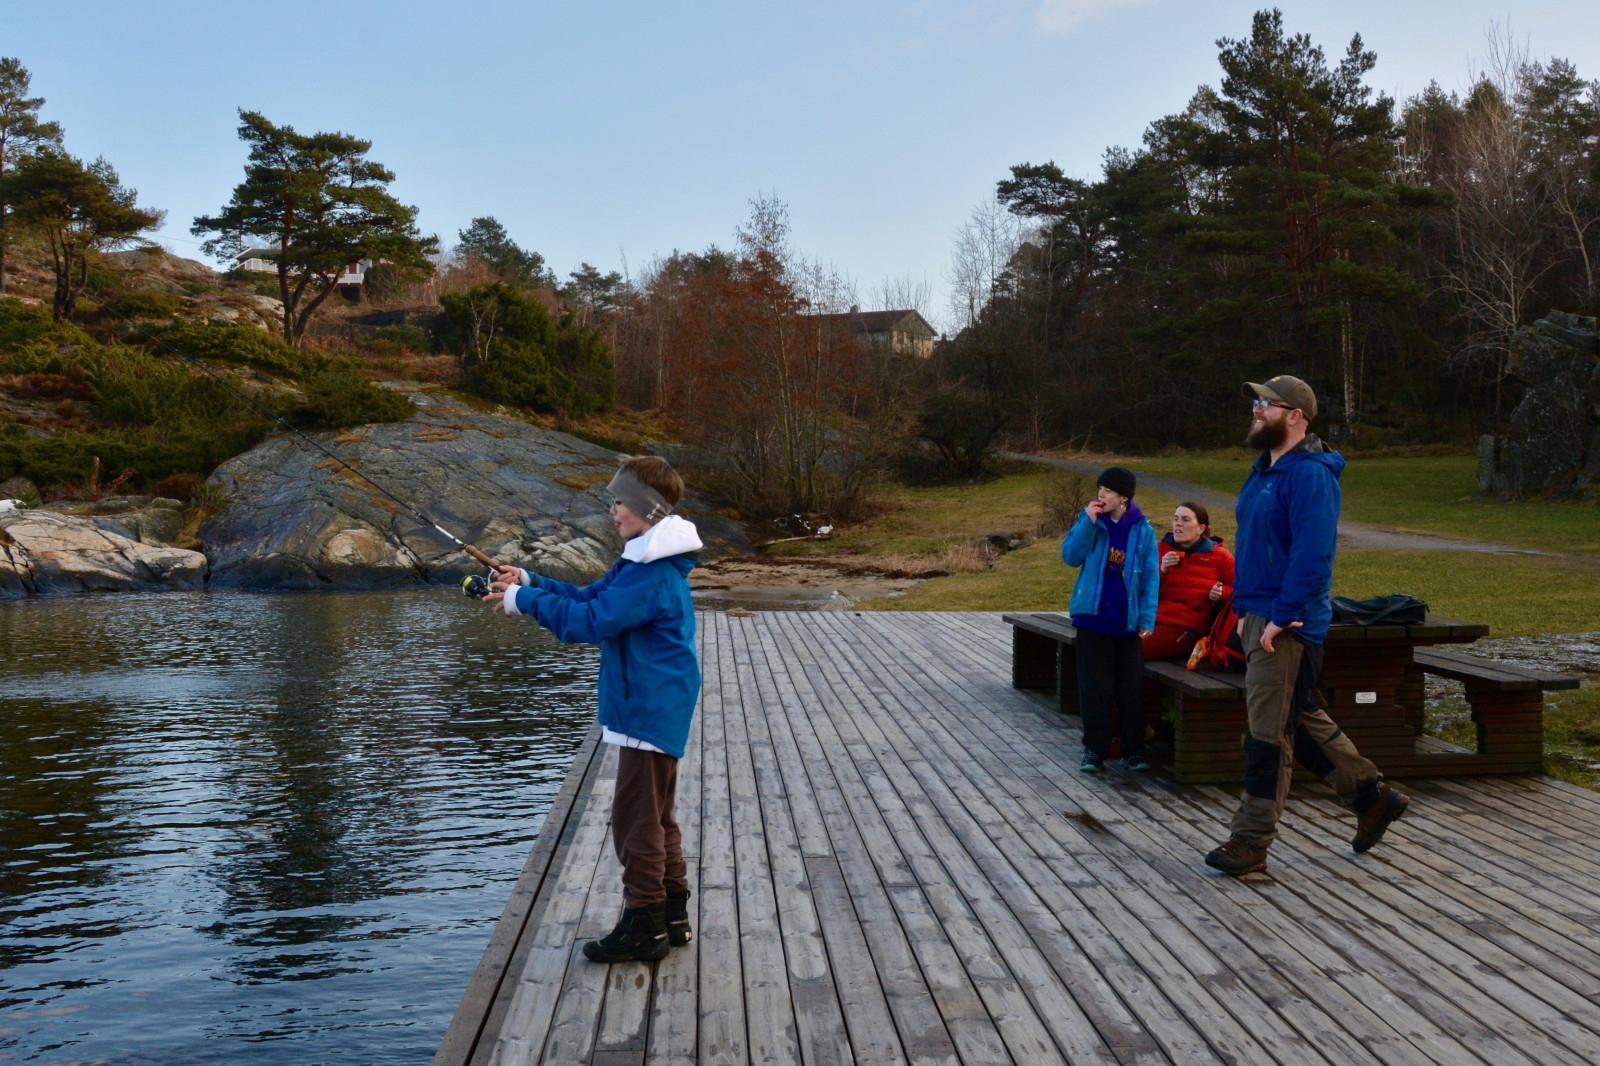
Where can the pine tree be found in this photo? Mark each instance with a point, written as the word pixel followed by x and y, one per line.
pixel 21 132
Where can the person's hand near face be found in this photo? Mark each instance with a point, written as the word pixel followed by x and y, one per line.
pixel 1107 502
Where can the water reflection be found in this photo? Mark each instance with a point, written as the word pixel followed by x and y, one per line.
pixel 287 822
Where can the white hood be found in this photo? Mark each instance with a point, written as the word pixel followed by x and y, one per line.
pixel 670 536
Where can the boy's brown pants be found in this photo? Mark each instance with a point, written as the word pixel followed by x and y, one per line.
pixel 646 835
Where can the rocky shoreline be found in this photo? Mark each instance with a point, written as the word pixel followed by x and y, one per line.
pixel 293 519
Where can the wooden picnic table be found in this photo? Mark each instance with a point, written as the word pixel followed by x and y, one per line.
pixel 1372 675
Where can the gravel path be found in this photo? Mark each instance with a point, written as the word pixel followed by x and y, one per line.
pixel 1354 536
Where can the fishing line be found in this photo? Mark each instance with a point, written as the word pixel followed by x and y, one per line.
pixel 415 512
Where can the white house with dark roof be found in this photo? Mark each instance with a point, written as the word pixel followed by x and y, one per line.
pixel 265 261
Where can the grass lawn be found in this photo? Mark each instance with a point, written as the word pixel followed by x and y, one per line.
pixel 928 520
pixel 1431 494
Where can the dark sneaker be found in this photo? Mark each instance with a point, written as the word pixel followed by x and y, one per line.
pixel 1092 763
pixel 1238 857
pixel 678 931
pixel 641 936
pixel 1137 764
pixel 1371 826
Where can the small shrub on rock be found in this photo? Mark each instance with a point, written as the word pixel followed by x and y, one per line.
pixel 141 305
pixel 340 396
pixel 412 337
pixel 236 343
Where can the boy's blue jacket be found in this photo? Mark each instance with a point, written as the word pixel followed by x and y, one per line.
pixel 1086 545
pixel 1288 516
pixel 641 615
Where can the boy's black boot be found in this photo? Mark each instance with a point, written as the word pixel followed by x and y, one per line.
pixel 641 936
pixel 678 931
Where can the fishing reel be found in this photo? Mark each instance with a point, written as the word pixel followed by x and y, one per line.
pixel 476 586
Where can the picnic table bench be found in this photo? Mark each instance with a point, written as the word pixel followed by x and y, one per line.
pixel 1373 677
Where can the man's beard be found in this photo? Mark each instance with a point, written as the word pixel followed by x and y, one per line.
pixel 1267 436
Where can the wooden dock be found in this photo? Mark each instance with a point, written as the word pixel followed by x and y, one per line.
pixel 895 859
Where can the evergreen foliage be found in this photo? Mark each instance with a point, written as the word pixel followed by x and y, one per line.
pixel 21 133
pixel 81 211
pixel 487 241
pixel 1286 220
pixel 512 351
pixel 319 204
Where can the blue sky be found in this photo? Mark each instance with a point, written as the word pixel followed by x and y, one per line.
pixel 601 130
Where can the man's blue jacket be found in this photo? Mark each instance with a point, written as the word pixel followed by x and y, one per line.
pixel 641 615
pixel 1288 514
pixel 1087 544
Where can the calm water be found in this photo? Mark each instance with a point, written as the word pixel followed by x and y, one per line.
pixel 274 829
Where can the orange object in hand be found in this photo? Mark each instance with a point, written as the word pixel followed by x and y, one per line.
pixel 1197 656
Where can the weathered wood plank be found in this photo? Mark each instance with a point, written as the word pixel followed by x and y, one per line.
pixel 895 860
pixel 1082 899
pixel 818 1016
pixel 722 1015
pixel 521 1036
pixel 1368 1028
pixel 1054 996
pixel 476 1013
pixel 769 1012
pixel 871 864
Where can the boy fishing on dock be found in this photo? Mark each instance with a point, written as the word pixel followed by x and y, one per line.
pixel 641 615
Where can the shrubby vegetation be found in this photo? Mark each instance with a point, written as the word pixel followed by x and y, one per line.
pixel 512 351
pixel 137 408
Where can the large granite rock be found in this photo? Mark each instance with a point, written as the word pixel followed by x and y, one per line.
pixel 295 519
pixel 1553 440
pixel 43 552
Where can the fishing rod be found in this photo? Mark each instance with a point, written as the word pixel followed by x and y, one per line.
pixel 474 585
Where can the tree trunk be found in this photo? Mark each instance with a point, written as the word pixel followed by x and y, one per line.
pixel 1347 362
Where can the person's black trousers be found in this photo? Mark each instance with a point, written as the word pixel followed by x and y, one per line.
pixel 1111 674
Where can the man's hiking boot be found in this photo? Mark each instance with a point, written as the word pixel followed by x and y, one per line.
pixel 678 931
pixel 1238 857
pixel 1371 826
pixel 641 936
pixel 1136 764
pixel 1092 763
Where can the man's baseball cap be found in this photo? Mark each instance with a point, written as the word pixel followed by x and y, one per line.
pixel 1285 388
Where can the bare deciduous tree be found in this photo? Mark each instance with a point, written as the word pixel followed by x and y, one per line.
pixel 984 247
pixel 1500 216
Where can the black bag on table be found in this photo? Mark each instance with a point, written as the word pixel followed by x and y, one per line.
pixel 1395 609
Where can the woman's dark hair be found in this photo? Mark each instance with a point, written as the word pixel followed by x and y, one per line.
pixel 1201 515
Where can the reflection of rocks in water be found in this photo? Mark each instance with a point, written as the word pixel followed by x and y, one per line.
pixel 229 820
pixel 62 836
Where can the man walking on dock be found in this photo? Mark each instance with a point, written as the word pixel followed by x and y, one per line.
pixel 1288 516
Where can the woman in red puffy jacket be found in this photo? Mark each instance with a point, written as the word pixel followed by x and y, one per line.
pixel 1196 575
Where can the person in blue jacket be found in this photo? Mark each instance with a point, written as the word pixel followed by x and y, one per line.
pixel 1113 608
pixel 1288 515
pixel 641 615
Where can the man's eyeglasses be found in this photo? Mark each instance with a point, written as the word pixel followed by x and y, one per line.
pixel 1258 404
